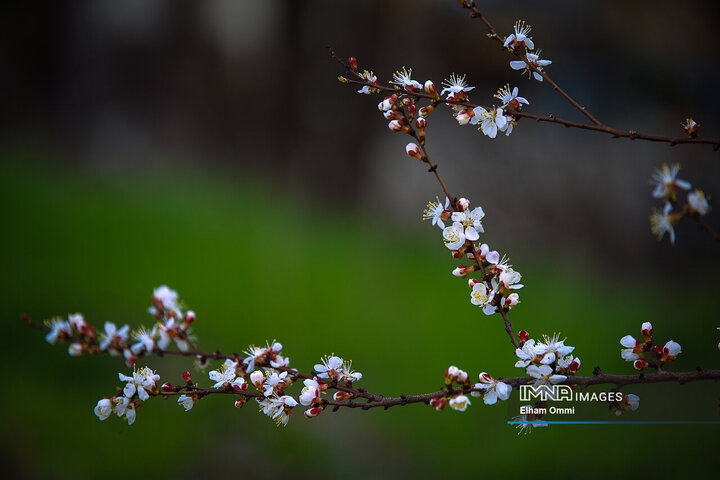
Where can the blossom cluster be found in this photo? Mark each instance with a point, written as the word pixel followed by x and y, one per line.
pixel 171 325
pixel 139 387
pixel 497 287
pixel 490 389
pixel 548 361
pixel 522 45
pixel 667 186
pixel 647 354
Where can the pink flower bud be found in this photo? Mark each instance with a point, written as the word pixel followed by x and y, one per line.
pixel 413 151
pixel 574 365
pixel 431 90
pixel 426 110
pixel 392 115
pixel 240 402
pixel 438 403
pixel 463 204
pixel 463 270
pixel 257 378
pixel 647 331
pixel 313 412
pixel 396 126
pixel 640 364
pixel 340 396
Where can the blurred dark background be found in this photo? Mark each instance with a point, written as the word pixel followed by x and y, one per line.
pixel 183 142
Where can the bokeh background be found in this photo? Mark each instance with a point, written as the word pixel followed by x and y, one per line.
pixel 208 146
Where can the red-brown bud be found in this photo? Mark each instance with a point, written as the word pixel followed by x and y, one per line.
pixel 187 377
pixel 352 62
pixel 523 336
pixel 167 387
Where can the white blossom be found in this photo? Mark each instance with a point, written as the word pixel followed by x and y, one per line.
pixel 404 79
pixel 532 352
pixel 104 408
pixel 544 375
pixel 493 389
pixel 672 350
pixel 172 330
pixel 368 77
pixel 435 211
pixel 510 98
pixel 454 236
pixel 661 223
pixel 471 221
pixel 459 403
pixel 59 330
pixel 273 382
pixel 145 340
pixel 531 65
pixel 224 376
pixel 329 368
pixel 166 298
pixel 509 279
pixel 631 350
pixel 490 121
pixel 698 203
pixel 454 85
pixel 481 296
pixel 520 36
pixel 142 382
pixel 667 183
pixel 186 402
pixel 277 408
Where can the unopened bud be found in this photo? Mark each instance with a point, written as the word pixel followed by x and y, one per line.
pixel 647 331
pixel 407 101
pixel 186 376
pixel 463 204
pixel 343 79
pixel 167 387
pixel 396 126
pixel 640 364
pixel 431 90
pixel 392 115
pixel 426 110
pixel 523 336
pixel 412 109
pixel 463 270
pixel 340 396
pixel 413 151
pixel 352 62
pixel 257 378
pixel 189 319
pixel 438 403
pixel 240 402
pixel 313 412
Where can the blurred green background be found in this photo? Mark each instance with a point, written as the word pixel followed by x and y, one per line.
pixel 256 265
pixel 208 146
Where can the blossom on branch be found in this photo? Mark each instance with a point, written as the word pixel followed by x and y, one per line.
pixel 697 203
pixel 520 37
pixel 510 99
pixel 492 389
pixel 667 183
pixel 664 222
pixel 532 65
